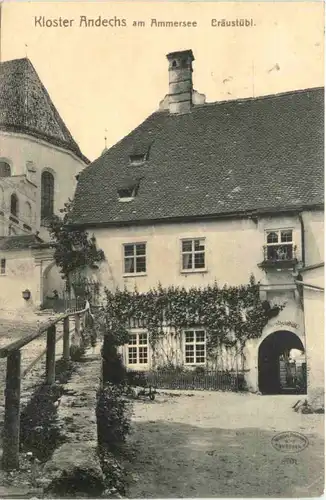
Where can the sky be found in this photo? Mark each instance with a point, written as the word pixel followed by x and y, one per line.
pixel 105 81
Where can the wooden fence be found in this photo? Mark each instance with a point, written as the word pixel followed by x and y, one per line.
pixel 206 380
pixel 11 430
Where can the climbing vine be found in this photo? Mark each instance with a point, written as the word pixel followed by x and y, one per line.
pixel 74 250
pixel 231 315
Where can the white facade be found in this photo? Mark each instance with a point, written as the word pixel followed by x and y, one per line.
pixel 28 157
pixel 233 250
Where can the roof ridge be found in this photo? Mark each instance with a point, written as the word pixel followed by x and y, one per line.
pixel 110 149
pixel 257 98
pixel 264 156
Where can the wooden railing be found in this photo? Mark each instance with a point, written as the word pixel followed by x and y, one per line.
pixel 11 430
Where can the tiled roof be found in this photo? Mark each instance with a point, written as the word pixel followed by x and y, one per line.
pixel 20 242
pixel 26 107
pixel 221 158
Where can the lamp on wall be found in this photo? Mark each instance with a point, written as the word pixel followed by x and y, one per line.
pixel 26 294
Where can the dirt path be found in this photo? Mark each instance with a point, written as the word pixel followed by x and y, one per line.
pixel 218 444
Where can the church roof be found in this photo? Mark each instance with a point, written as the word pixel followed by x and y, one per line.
pixel 19 242
pixel 224 158
pixel 26 107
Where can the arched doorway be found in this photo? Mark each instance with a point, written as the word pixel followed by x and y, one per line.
pixel 278 371
pixel 53 287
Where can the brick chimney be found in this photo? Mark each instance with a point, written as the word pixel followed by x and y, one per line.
pixel 180 81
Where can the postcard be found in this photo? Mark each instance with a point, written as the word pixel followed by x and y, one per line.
pixel 161 249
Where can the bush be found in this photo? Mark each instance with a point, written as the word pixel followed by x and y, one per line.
pixel 40 431
pixel 113 368
pixel 241 382
pixel 114 473
pixel 113 414
pixel 76 352
pixel 136 379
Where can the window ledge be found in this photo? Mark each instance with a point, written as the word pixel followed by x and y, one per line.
pixel 194 271
pixel 138 367
pixel 126 200
pixel 133 275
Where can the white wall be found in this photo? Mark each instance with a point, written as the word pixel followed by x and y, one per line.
pixel 18 149
pixel 26 193
pixel 314 237
pixel 314 310
pixel 21 274
pixel 233 250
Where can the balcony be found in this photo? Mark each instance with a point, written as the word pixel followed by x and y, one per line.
pixel 279 256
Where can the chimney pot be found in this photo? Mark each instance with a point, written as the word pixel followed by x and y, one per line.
pixel 180 81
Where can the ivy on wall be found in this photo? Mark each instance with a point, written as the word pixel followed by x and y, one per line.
pixel 231 315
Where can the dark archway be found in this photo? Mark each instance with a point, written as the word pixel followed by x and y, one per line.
pixel 5 170
pixel 273 359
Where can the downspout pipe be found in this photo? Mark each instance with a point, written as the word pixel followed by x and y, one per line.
pixel 303 248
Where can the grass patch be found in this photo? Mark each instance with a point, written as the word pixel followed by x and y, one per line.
pixel 39 427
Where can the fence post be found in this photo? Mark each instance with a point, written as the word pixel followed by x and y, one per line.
pixel 50 355
pixel 66 346
pixel 10 458
pixel 77 329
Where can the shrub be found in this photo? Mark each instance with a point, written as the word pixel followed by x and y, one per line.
pixel 241 382
pixel 115 475
pixel 113 369
pixel 113 414
pixel 76 352
pixel 136 379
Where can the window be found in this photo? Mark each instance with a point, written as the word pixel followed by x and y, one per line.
pixel 14 205
pixel 139 153
pixel 3 266
pixel 128 190
pixel 5 170
pixel 195 347
pixel 47 195
pixel 28 212
pixel 138 349
pixel 193 254
pixel 126 193
pixel 137 159
pixel 279 244
pixel 135 258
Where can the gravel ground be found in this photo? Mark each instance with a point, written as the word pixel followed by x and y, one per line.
pixel 214 444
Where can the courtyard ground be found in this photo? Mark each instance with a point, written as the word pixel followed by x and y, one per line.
pixel 214 444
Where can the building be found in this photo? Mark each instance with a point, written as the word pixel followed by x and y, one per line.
pixel 39 161
pixel 312 278
pixel 202 192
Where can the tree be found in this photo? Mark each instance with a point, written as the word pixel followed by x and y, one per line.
pixel 74 249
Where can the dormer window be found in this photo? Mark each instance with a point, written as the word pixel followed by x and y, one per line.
pixel 128 190
pixel 126 194
pixel 139 154
pixel 138 159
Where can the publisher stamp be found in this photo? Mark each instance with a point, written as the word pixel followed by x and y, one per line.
pixel 290 442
